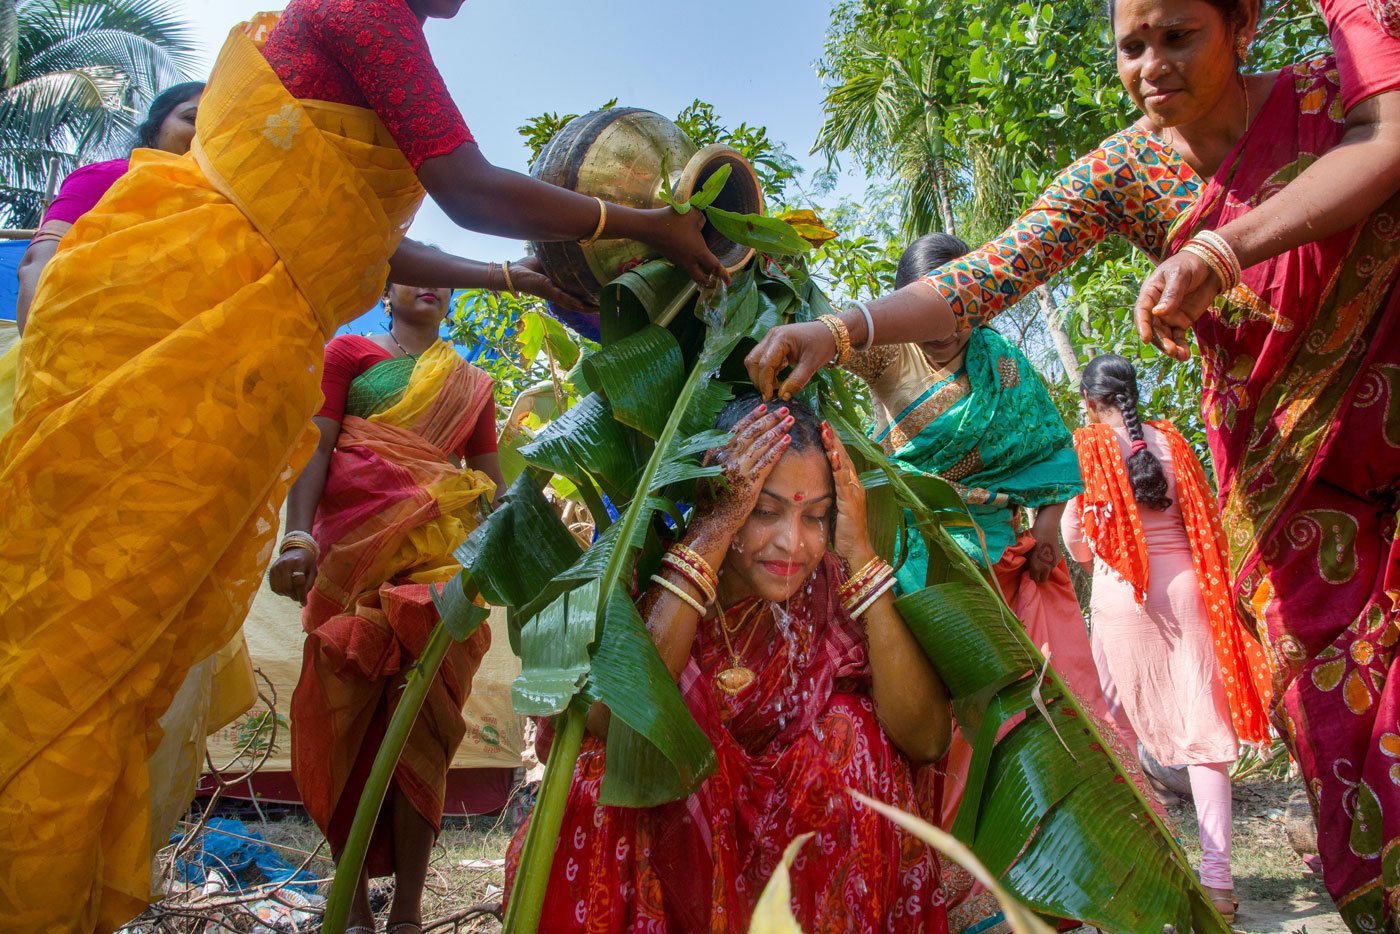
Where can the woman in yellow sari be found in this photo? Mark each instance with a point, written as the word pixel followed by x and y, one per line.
pixel 167 383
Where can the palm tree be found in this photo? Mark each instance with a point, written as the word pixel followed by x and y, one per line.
pixel 75 78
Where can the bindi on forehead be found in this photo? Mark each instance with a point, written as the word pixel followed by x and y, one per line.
pixel 798 497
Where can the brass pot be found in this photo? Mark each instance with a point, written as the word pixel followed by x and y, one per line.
pixel 619 155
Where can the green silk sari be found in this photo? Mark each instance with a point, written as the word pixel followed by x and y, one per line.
pixel 992 431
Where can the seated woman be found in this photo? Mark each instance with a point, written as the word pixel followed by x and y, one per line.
pixel 795 662
pixel 406 458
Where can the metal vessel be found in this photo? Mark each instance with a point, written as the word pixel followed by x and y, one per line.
pixel 621 155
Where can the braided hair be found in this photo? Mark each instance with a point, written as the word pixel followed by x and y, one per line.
pixel 1111 380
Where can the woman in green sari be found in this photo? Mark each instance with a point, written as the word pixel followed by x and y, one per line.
pixel 972 410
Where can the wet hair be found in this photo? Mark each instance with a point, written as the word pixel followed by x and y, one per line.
pixel 925 255
pixel 166 101
pixel 1234 12
pixel 1111 380
pixel 806 428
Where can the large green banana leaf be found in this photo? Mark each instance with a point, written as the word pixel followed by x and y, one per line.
pixel 1047 809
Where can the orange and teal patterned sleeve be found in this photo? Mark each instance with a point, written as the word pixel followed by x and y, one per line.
pixel 1133 186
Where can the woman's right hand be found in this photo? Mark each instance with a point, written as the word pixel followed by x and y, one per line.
pixel 806 346
pixel 758 443
pixel 678 238
pixel 293 573
pixel 1177 292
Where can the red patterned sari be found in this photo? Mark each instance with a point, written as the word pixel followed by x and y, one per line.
pixel 1302 400
pixel 788 748
pixel 395 506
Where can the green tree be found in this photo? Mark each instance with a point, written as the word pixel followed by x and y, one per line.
pixel 972 106
pixel 76 77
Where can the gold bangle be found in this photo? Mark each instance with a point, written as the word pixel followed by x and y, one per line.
pixel 695 560
pixel 302 540
pixel 1225 253
pixel 857 578
pixel 505 273
pixel 696 605
pixel 690 574
pixel 602 222
pixel 841 335
pixel 883 589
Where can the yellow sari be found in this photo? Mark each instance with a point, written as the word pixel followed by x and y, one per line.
pixel 163 407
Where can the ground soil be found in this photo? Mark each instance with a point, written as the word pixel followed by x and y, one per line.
pixel 1278 893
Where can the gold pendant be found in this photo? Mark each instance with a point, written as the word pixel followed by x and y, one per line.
pixel 733 680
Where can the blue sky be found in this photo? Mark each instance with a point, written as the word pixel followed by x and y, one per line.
pixel 507 61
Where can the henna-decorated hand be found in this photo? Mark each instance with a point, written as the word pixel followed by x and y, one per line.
pixel 757 444
pixel 852 538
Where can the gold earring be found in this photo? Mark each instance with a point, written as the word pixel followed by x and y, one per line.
pixel 1242 50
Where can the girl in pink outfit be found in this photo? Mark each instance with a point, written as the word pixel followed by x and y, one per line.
pixel 1186 674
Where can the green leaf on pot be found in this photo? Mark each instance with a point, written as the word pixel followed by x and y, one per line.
pixel 639 375
pixel 653 291
pixel 713 186
pixel 506 574
pixel 656 752
pixel 763 233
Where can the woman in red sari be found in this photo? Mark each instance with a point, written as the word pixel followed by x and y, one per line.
pixel 406 459
pixel 806 681
pixel 1301 361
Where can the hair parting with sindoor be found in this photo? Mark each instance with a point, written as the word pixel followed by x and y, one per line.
pixel 1111 380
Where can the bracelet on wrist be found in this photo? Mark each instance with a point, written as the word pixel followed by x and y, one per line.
pixel 302 540
pixel 841 335
pixel 679 592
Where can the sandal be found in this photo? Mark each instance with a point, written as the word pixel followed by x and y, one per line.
pixel 1225 902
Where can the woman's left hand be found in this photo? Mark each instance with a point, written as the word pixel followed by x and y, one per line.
pixel 1171 299
pixel 852 539
pixel 527 275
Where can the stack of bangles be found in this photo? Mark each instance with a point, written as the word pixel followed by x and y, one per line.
pixel 865 586
pixel 841 335
pixel 1213 250
pixel 692 569
pixel 300 540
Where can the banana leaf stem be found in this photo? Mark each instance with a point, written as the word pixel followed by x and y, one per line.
pixel 537 856
pixel 351 861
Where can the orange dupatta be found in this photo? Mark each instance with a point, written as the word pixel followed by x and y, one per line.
pixel 1113 526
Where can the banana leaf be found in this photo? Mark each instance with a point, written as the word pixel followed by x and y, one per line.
pixel 1049 810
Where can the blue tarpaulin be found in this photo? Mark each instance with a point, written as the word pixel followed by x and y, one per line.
pixel 10 253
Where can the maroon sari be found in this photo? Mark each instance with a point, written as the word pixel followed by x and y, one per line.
pixel 788 748
pixel 1302 401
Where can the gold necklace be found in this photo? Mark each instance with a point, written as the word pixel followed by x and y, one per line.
pixel 737 676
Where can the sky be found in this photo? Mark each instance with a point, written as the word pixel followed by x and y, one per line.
pixel 505 62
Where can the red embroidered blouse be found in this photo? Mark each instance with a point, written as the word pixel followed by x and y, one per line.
pixel 369 53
